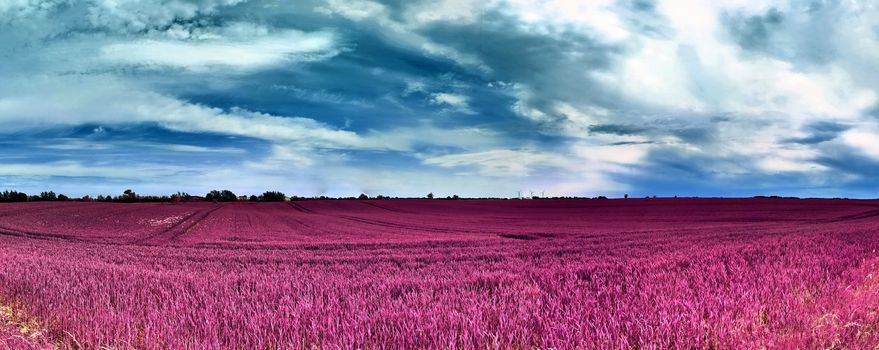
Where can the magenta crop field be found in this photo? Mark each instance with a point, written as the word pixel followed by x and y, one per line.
pixel 563 274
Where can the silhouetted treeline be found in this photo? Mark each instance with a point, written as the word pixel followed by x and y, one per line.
pixel 13 196
pixel 130 196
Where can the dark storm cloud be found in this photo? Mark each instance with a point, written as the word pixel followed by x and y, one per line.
pixel 642 16
pixel 804 34
pixel 617 129
pixel 551 68
pixel 820 132
pixel 755 32
pixel 695 135
pixel 670 172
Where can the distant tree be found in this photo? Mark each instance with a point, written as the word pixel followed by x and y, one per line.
pixel 253 198
pixel 48 196
pixel 128 196
pixel 430 195
pixel 181 196
pixel 62 197
pixel 363 196
pixel 273 196
pixel 626 195
pixel 212 195
pixel 456 197
pixel 221 196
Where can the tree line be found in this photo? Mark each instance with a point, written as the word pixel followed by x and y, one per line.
pixel 130 196
pixel 15 196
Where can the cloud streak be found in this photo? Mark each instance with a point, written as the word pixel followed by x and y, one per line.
pixel 219 54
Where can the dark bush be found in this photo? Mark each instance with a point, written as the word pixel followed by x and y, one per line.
pixel 273 196
pixel 221 196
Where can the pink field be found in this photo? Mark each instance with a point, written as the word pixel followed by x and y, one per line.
pixel 566 274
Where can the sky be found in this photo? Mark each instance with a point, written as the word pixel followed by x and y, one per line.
pixel 468 97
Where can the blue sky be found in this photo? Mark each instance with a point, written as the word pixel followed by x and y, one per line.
pixel 469 97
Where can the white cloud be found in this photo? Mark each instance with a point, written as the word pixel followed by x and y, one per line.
pixel 786 165
pixel 79 169
pixel 457 102
pixel 200 55
pixel 558 16
pixel 96 145
pixel 583 169
pixel 611 157
pixel 865 140
pixel 454 100
pixel 454 11
pixel 353 9
pixel 427 134
pixel 500 162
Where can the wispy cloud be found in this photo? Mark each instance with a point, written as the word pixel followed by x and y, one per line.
pixel 221 53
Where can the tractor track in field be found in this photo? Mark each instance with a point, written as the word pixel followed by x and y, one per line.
pixel 387 209
pixel 301 208
pixel 414 227
pixel 858 216
pixel 181 227
pixel 8 231
pixel 201 217
pixel 27 210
